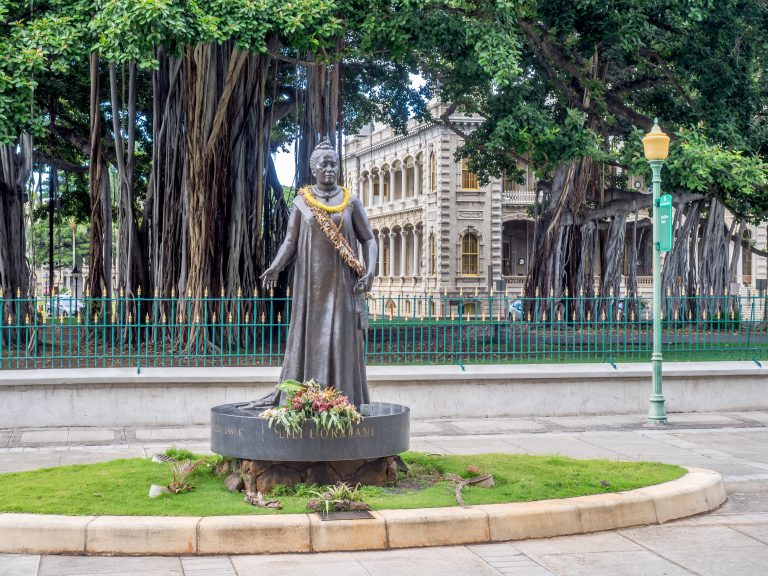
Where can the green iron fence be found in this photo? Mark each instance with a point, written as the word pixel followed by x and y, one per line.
pixel 402 329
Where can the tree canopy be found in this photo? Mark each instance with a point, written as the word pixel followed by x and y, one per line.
pixel 175 95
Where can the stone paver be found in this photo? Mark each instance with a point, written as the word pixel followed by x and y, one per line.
pixel 97 565
pixel 59 435
pixel 86 435
pixel 733 540
pixel 19 564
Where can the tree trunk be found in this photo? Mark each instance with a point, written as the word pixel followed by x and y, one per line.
pixel 99 274
pixel 15 169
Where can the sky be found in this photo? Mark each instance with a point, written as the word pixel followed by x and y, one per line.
pixel 285 166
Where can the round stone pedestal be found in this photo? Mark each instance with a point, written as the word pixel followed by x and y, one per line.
pixel 243 434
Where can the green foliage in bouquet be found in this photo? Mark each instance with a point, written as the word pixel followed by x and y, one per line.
pixel 328 408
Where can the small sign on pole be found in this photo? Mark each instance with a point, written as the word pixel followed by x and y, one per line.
pixel 665 223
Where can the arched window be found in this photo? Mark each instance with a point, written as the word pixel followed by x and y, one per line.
pixel 432 172
pixel 746 260
pixel 468 178
pixel 432 255
pixel 469 254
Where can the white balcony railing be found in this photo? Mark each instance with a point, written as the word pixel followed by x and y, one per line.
pixel 518 197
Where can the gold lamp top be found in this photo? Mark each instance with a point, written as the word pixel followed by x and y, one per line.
pixel 656 143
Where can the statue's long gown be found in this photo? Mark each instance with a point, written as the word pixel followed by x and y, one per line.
pixel 326 341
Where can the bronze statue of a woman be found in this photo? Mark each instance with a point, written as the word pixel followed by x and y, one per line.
pixel 326 336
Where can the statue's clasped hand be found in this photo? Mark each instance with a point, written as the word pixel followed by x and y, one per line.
pixel 364 284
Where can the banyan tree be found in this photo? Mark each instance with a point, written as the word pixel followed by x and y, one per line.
pixel 174 112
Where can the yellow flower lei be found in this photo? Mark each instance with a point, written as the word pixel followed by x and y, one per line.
pixel 309 198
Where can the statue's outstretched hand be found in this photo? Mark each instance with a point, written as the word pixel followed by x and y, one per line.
pixel 269 278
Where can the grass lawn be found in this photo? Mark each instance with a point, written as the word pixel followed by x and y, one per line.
pixel 120 487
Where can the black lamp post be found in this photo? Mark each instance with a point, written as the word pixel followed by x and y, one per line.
pixel 75 275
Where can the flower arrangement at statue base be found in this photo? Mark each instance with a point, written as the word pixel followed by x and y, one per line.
pixel 328 408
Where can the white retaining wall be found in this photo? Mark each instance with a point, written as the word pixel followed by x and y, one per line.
pixel 184 396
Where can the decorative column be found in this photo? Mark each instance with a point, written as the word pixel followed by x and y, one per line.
pixel 416 178
pixel 403 181
pixel 403 240
pixel 380 240
pixel 416 254
pixel 381 187
pixel 391 183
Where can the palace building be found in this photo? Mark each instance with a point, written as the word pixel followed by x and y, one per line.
pixel 440 231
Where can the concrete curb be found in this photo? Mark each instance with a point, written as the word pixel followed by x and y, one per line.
pixel 697 492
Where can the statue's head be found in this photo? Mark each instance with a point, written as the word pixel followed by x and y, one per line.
pixel 324 164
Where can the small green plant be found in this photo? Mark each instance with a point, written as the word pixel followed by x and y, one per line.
pixel 339 497
pixel 298 491
pixel 181 454
pixel 181 472
pixel 327 408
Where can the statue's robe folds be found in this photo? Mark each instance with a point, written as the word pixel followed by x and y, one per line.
pixel 326 335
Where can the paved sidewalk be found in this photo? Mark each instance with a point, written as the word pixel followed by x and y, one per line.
pixel 731 541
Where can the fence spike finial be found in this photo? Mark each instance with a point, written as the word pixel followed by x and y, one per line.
pixel 18 292
pixel 288 292
pixel 222 292
pixel 229 317
pixel 156 292
pixel 247 317
pixel 146 319
pixel 279 318
pixel 87 292
pixel 122 292
pixel 130 317
pixel 138 292
pixel 165 318
pixel 205 292
pixel 173 291
pixel 263 317
pixel 213 317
